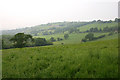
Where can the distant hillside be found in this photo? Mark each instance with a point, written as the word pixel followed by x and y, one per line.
pixel 50 27
pixel 60 27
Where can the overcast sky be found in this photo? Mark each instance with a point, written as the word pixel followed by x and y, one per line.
pixel 26 13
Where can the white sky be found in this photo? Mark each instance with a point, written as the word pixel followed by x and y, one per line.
pixel 27 13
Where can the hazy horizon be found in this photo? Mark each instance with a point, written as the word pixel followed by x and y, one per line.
pixel 27 13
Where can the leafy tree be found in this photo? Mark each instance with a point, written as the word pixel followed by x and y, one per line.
pixel 20 40
pixel 40 42
pixel 52 39
pixel 89 36
pixel 6 43
pixel 59 39
pixel 99 21
pixel 66 36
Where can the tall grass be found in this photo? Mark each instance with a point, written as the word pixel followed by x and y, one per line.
pixel 86 60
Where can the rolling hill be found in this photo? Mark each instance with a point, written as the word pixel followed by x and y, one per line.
pixel 98 59
pixel 73 59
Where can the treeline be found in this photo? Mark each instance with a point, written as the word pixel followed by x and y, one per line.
pixel 71 27
pixel 105 29
pixel 66 36
pixel 22 40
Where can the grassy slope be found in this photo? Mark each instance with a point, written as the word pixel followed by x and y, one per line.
pixel 73 59
pixel 85 60
pixel 74 38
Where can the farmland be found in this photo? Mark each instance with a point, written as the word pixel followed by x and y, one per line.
pixel 86 60
pixel 73 59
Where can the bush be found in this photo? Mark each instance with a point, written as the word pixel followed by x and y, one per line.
pixel 59 39
pixel 52 39
pixel 89 36
pixel 66 36
pixel 111 33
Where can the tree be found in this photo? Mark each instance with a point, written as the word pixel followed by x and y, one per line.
pixel 59 39
pixel 40 42
pixel 66 36
pixel 20 40
pixel 89 36
pixel 52 39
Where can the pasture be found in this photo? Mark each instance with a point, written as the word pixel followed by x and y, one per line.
pixel 97 59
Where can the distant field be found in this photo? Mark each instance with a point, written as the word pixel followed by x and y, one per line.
pixel 98 59
pixel 74 38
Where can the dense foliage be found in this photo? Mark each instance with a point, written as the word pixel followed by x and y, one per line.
pixel 22 40
pixel 105 29
pixel 66 36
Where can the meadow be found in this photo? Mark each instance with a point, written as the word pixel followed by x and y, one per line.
pixel 74 38
pixel 73 59
pixel 97 59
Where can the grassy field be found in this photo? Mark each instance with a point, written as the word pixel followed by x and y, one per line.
pixel 73 59
pixel 97 59
pixel 74 38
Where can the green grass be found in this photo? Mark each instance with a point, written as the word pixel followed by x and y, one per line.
pixel 74 59
pixel 74 38
pixel 109 37
pixel 97 59
pixel 61 35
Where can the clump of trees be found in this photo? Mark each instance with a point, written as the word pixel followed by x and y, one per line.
pixel 5 42
pixel 59 39
pixel 52 39
pixel 21 40
pixel 91 37
pixel 105 29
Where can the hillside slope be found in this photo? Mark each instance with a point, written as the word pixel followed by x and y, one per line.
pixel 59 27
pixel 97 59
